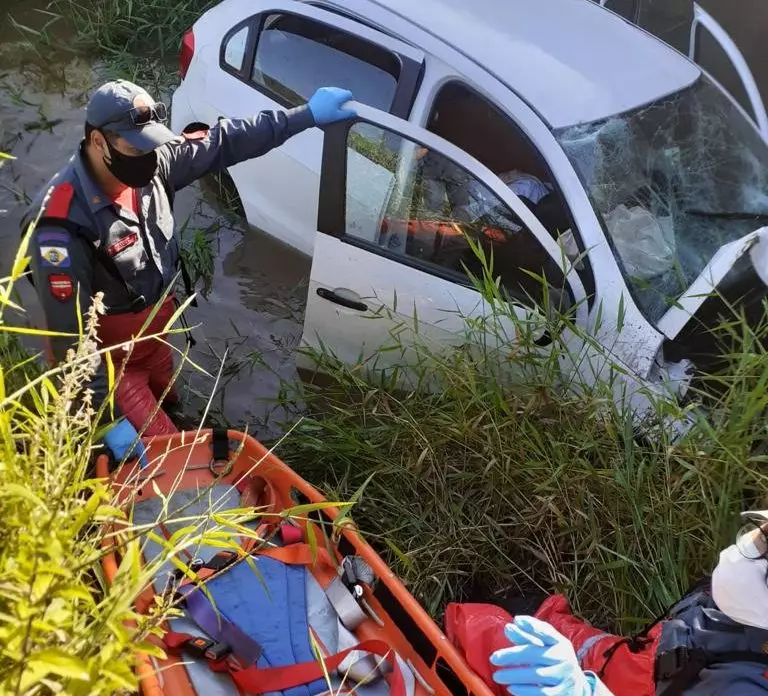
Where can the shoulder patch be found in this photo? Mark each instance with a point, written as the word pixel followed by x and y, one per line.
pixel 56 256
pixel 61 286
pixel 195 135
pixel 60 201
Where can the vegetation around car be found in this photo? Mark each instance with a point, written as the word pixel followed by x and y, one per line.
pixel 478 489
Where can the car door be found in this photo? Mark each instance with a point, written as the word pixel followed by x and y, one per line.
pixel 291 50
pixel 392 256
pixel 703 20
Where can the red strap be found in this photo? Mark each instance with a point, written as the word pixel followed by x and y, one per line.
pixel 253 680
pixel 59 201
pixel 176 641
pixel 298 554
pixel 258 681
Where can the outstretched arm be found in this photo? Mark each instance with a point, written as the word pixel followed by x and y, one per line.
pixel 230 141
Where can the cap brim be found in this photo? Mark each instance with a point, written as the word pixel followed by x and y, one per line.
pixel 148 137
pixel 754 516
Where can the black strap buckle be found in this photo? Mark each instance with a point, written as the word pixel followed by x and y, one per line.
pixel 138 304
pixel 221 560
pixel 671 662
pixel 220 464
pixel 209 649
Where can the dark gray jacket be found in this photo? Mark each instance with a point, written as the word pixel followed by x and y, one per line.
pixel 697 627
pixel 80 225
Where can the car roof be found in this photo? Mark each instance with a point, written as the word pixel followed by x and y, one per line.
pixel 571 60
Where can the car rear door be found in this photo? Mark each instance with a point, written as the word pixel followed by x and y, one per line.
pixel 291 49
pixel 391 261
pixel 702 20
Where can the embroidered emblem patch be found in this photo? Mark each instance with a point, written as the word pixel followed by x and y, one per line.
pixel 123 243
pixel 57 256
pixel 61 286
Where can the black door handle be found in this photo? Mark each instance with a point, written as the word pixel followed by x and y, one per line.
pixel 343 301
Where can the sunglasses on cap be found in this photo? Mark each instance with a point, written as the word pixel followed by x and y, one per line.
pixel 141 115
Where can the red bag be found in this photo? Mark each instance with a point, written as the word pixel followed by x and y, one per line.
pixel 477 630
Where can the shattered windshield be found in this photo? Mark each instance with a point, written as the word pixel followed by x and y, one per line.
pixel 672 182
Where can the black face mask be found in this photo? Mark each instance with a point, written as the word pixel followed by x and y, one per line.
pixel 135 171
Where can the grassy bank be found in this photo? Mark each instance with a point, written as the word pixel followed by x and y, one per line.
pixel 136 40
pixel 485 490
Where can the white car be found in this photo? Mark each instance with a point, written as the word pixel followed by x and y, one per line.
pixel 569 142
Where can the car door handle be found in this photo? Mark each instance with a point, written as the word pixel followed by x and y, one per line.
pixel 332 296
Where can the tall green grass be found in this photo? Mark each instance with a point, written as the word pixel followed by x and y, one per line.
pixel 486 488
pixel 148 29
pixel 138 40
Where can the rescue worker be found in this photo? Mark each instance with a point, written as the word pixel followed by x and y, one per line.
pixel 712 642
pixel 107 226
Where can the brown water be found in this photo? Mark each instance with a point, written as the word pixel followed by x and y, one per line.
pixel 254 311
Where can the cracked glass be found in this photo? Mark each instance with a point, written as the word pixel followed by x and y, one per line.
pixel 672 182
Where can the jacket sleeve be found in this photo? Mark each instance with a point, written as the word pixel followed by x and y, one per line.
pixel 230 141
pixel 61 267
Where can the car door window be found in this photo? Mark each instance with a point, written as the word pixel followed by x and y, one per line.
pixel 465 118
pixel 234 48
pixel 406 201
pixel 296 55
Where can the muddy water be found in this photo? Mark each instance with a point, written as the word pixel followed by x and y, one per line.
pixel 254 311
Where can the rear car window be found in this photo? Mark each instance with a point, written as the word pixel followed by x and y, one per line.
pixel 234 48
pixel 295 56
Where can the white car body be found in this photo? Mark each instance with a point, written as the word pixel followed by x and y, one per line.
pixel 551 68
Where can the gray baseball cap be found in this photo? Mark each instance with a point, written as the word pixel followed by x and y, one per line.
pixel 128 110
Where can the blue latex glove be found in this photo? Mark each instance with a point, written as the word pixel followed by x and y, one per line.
pixel 541 662
pixel 326 103
pixel 123 441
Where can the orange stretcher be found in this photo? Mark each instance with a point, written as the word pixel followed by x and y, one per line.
pixel 425 663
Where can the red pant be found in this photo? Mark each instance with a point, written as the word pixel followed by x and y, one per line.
pixel 149 369
pixel 477 630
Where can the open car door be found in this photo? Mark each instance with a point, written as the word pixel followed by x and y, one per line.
pixel 291 49
pixel 402 214
pixel 703 20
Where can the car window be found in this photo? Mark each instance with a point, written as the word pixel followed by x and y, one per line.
pixel 295 56
pixel 672 182
pixel 496 140
pixel 234 48
pixel 404 199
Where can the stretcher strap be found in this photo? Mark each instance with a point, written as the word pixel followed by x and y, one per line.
pixel 199 609
pixel 253 680
pixel 299 554
pixel 220 444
